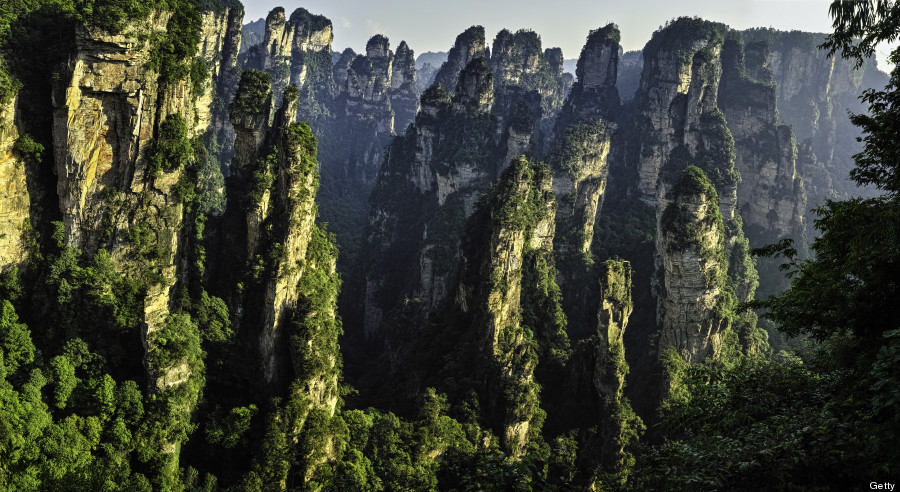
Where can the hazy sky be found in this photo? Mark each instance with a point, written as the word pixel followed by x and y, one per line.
pixel 433 26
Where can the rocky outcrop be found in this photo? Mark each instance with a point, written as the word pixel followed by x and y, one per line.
pixel 596 377
pixel 580 159
pixel 14 197
pixel 404 89
pixel 519 216
pixel 369 84
pixel 679 123
pixel 121 149
pixel 339 70
pixel 475 89
pixel 770 196
pixel 294 51
pixel 517 59
pixel 682 68
pixel 311 51
pixel 691 242
pixel 284 293
pixel 274 172
pixel 468 46
pixel 528 86
pixel 222 55
pixel 273 55
pixel 427 186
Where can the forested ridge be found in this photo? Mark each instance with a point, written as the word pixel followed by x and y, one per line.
pixel 274 268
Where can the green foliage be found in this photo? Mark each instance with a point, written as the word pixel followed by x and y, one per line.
pixel 199 77
pixel 769 422
pixel 230 430
pixel 174 48
pixel 859 27
pixel 263 177
pixel 579 145
pixel 29 150
pixel 680 222
pixel 511 210
pixel 678 36
pixel 177 342
pixel 213 319
pixel 112 15
pixel 253 94
pixel 171 149
pixel 301 145
pixel 15 340
pixel 8 85
pixel 542 312
pixel 316 327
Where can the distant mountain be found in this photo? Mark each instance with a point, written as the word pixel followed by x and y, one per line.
pixel 435 58
pixel 252 34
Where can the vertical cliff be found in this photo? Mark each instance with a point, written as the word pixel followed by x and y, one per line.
pixel 274 54
pixel 770 195
pixel 813 94
pixel 580 157
pixel 596 380
pixel 678 123
pixel 468 46
pixel 285 295
pixel 404 89
pixel 581 154
pixel 691 241
pixel 529 91
pixel 507 286
pixel 15 201
pixel 427 186
pixel 676 97
pixel 125 144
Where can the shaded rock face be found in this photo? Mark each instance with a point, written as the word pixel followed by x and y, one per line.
pixel 15 201
pixel 226 73
pixel 252 34
pixel 516 58
pixel 597 369
pixel 526 76
pixel 475 89
pixel 426 189
pixel 269 228
pixel 404 92
pixel 598 63
pixel 631 64
pixel 274 53
pixel 468 46
pixel 341 66
pixel 813 94
pixel 311 46
pixel 770 195
pixel 369 84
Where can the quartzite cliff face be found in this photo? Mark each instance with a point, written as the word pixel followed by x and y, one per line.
pixel 15 201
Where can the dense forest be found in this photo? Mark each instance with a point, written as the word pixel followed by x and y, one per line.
pixel 234 258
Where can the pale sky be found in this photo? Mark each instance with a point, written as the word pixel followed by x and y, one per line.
pixel 428 26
